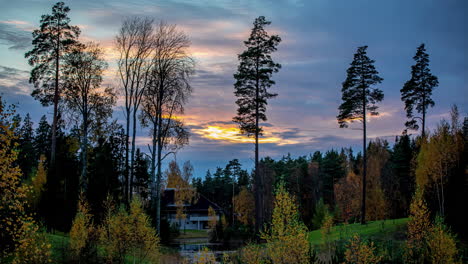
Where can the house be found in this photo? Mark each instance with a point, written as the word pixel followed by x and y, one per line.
pixel 197 212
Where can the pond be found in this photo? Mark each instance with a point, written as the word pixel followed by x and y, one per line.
pixel 190 247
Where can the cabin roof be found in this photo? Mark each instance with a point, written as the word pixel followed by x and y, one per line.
pixel 199 205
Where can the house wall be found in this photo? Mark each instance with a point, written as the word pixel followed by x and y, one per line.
pixel 195 221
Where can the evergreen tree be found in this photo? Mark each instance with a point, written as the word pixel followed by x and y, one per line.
pixel 51 42
pixel 331 170
pixel 403 177
pixel 42 139
pixel 359 97
pixel 141 174
pixel 253 79
pixel 416 93
pixel 27 158
pixel 106 165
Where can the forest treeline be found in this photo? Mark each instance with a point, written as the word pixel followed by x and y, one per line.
pixel 84 174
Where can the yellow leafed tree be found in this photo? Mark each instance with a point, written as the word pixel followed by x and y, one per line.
pixel 124 233
pixel 348 196
pixel 81 231
pixel 184 193
pixel 376 205
pixel 19 234
pixel 326 236
pixel 144 240
pixel 244 204
pixel 205 256
pixel 441 245
pixel 360 252
pixel 212 218
pixel 38 182
pixel 439 153
pixel 287 237
pixel 418 226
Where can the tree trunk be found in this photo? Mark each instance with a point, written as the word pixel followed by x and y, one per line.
pixel 84 155
pixel 424 117
pixel 127 166
pixel 132 157
pixel 364 165
pixel 258 180
pixel 158 186
pixel 56 98
pixel 154 189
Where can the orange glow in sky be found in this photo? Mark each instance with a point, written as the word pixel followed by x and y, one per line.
pixel 233 135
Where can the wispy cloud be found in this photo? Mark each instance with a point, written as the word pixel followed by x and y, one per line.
pixel 14 37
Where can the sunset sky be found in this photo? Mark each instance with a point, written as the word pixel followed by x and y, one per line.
pixel 319 40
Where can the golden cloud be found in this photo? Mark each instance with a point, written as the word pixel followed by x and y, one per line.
pixel 233 134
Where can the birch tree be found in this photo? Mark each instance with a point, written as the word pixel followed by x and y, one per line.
pixel 163 101
pixel 134 44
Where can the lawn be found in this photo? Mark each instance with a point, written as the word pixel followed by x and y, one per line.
pixel 60 246
pixel 375 230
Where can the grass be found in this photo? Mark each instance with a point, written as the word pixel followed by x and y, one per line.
pixel 375 230
pixel 60 241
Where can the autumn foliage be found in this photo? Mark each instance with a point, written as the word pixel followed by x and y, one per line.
pixel 418 227
pixel 441 245
pixel 82 232
pixel 129 233
pixel 243 207
pixel 287 237
pixel 19 234
pixel 361 252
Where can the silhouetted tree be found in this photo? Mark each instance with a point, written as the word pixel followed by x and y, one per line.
pixel 134 44
pixel 27 157
pixel 331 170
pixel 84 67
pixel 53 40
pixel 142 175
pixel 359 96
pixel 42 139
pixel 253 79
pixel 416 93
pixel 164 97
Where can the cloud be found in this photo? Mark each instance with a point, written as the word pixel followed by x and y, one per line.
pixel 13 37
pixel 14 81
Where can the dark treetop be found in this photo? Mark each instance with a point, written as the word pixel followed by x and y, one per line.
pixel 358 91
pixel 254 72
pixel 416 93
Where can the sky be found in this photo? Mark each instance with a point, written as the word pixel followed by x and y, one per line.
pixel 319 38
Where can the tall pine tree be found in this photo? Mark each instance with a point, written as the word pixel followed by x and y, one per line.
pixel 51 42
pixel 359 97
pixel 253 79
pixel 416 93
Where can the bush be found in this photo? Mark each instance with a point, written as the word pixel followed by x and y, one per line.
pixel 360 252
pixel 418 227
pixel 129 234
pixel 205 256
pixel 441 244
pixel 82 234
pixel 287 238
pixel 32 246
pixel 252 254
pixel 321 210
pixel 144 242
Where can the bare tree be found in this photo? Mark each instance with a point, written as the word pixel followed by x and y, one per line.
pixel 167 91
pixel 87 103
pixel 134 44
